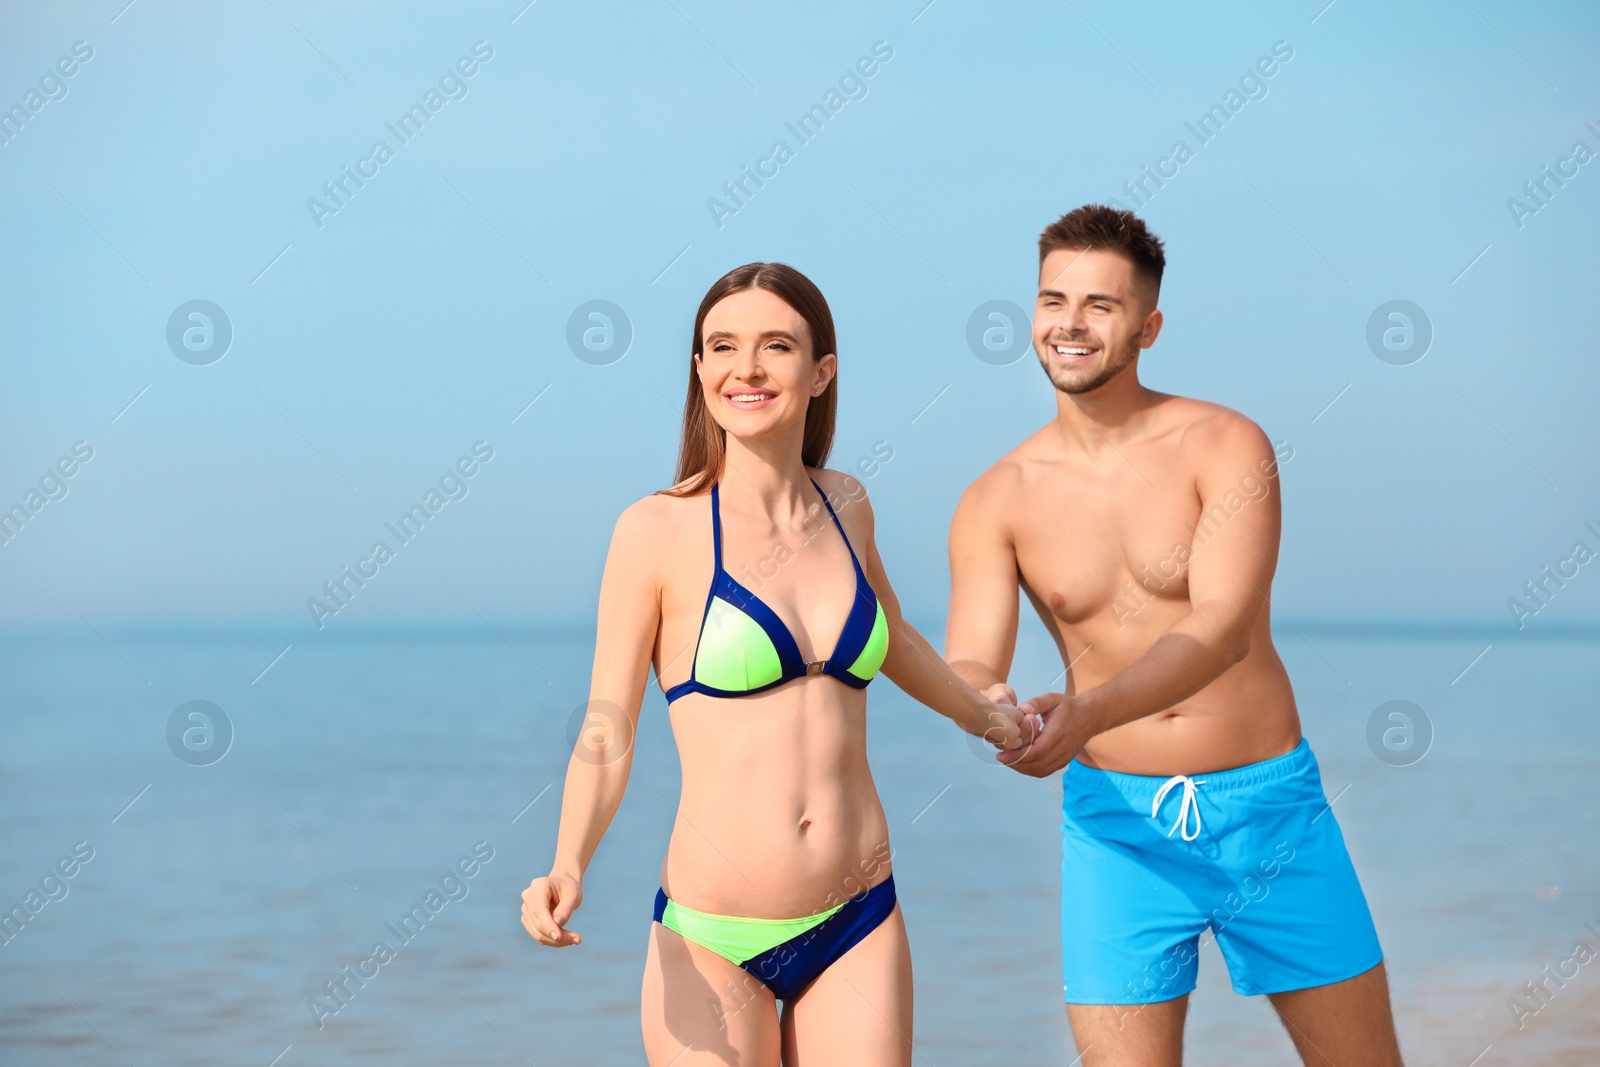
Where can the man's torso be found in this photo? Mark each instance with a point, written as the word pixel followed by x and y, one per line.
pixel 1103 544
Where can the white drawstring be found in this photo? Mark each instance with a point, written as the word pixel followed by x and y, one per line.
pixel 1187 805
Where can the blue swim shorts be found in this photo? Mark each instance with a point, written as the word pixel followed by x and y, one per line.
pixel 1252 853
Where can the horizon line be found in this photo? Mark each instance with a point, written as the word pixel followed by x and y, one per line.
pixel 1328 626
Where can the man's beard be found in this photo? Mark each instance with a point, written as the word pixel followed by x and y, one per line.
pixel 1118 362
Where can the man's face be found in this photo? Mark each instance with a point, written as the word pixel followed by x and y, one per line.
pixel 1092 317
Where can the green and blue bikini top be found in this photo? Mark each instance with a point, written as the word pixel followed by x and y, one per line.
pixel 745 648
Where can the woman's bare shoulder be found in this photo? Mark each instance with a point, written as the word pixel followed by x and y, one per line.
pixel 658 518
pixel 660 512
pixel 848 495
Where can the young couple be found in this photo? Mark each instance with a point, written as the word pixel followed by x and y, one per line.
pixel 1143 528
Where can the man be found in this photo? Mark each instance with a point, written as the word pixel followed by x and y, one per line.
pixel 1144 529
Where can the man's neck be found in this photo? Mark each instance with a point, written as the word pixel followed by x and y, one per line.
pixel 1114 414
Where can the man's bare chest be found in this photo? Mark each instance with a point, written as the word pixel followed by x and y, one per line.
pixel 1080 544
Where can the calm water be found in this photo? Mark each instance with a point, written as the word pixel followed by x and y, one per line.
pixel 224 897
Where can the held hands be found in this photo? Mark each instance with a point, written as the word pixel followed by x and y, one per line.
pixel 1064 730
pixel 999 721
pixel 547 904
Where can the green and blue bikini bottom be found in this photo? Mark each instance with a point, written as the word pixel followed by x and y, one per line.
pixel 786 955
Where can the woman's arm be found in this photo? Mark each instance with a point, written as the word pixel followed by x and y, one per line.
pixel 597 774
pixel 912 663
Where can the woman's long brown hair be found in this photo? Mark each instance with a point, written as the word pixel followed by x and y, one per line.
pixel 703 448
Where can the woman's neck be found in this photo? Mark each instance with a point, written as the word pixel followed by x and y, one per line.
pixel 767 474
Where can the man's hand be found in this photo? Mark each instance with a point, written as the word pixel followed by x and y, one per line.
pixel 1063 735
pixel 547 904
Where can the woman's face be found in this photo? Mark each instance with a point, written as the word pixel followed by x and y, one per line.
pixel 756 364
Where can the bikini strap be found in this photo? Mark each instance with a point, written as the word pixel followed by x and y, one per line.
pixel 716 529
pixel 839 524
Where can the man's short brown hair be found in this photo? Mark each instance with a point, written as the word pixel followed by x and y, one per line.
pixel 1096 227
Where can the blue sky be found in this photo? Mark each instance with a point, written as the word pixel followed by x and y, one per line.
pixel 373 347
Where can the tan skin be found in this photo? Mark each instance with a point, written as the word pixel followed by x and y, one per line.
pixel 1163 614
pixel 778 816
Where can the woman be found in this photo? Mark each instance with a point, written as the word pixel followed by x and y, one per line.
pixel 776 883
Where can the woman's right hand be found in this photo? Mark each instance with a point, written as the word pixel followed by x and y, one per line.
pixel 547 904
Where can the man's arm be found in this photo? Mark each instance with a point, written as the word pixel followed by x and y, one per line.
pixel 1229 575
pixel 981 631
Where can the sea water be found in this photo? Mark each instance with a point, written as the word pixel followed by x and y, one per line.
pixel 231 911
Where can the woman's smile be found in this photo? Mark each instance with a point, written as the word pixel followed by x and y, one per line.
pixel 750 399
